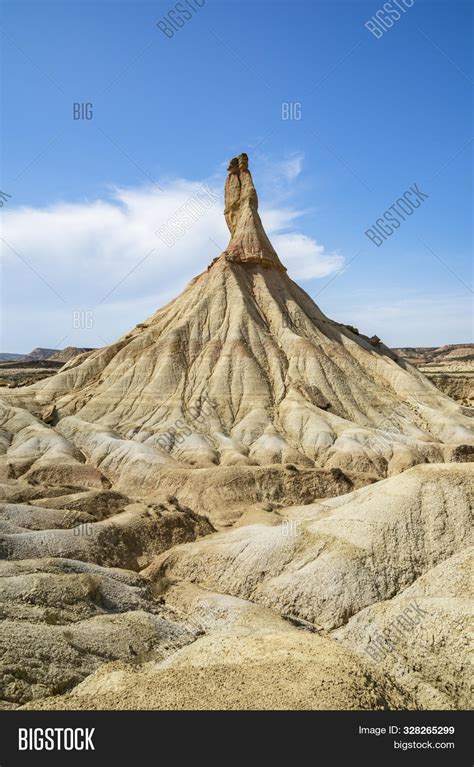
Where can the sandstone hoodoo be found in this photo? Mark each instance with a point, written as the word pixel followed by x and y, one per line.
pixel 249 243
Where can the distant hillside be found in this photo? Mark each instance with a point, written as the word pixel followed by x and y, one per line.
pixel 437 355
pixel 449 367
pixel 25 369
pixel 69 353
pixel 5 357
pixel 39 354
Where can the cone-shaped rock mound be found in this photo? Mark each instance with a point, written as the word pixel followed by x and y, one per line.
pixel 241 372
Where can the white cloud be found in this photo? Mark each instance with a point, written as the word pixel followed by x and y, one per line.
pixel 304 258
pixel 109 247
pixel 290 168
pixel 277 176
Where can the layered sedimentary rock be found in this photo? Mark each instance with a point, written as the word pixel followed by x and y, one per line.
pixel 344 474
pixel 326 561
pixel 249 242
pixel 241 370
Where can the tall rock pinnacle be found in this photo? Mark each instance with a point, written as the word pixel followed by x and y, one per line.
pixel 249 242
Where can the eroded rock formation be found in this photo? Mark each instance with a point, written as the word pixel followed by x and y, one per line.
pixel 249 242
pixel 304 436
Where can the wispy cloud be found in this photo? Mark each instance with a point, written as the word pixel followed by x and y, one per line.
pixel 277 176
pixel 291 168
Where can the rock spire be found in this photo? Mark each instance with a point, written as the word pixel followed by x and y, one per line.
pixel 249 242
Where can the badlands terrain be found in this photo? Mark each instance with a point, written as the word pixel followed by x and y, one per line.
pixel 450 368
pixel 239 504
pixel 24 369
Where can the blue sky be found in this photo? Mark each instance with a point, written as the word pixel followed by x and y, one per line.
pixel 377 115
